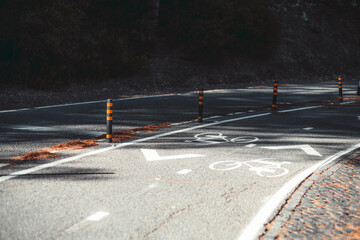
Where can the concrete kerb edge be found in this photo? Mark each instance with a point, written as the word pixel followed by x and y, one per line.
pixel 295 198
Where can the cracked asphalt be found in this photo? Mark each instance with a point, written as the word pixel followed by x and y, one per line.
pixel 325 206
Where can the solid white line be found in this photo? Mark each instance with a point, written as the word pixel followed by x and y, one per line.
pixel 348 102
pixel 48 129
pixel 121 145
pixel 257 225
pixel 14 110
pixel 69 104
pixel 82 103
pixel 298 109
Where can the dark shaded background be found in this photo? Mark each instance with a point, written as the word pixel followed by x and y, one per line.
pixel 49 44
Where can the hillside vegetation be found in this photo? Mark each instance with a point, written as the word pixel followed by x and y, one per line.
pixel 162 43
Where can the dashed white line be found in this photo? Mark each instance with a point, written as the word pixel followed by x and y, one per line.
pixel 184 171
pixel 85 222
pixel 97 216
pixel 154 185
pixel 308 128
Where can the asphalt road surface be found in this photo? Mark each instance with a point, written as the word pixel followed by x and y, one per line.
pixel 222 179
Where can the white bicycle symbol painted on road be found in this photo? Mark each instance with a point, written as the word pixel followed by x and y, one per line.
pixel 262 167
pixel 216 138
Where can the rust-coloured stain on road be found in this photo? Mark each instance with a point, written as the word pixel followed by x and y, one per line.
pixel 122 136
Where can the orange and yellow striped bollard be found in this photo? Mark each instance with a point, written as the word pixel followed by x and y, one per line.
pixel 274 103
pixel 340 89
pixel 109 118
pixel 201 105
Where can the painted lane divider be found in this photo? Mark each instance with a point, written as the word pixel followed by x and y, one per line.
pixel 340 90
pixel 201 105
pixel 305 147
pixel 109 118
pixel 152 155
pixel 85 222
pixel 184 171
pixel 274 104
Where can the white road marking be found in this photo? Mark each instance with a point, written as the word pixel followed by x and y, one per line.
pixel 184 171
pixel 90 102
pixel 257 225
pixel 348 102
pixel 97 216
pixel 250 145
pixel 212 117
pixel 122 145
pixel 48 129
pixel 154 185
pixel 305 147
pixel 234 99
pixel 308 128
pixel 3 164
pixel 358 117
pixel 85 222
pixel 152 155
pixel 298 109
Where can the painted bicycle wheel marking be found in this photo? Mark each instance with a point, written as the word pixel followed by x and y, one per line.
pixel 263 167
pixel 217 138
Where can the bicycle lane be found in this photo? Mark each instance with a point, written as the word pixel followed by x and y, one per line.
pixel 171 186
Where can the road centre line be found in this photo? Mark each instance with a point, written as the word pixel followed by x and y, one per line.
pixel 298 109
pixel 184 171
pixel 82 103
pixel 121 145
pixel 48 129
pixel 93 218
pixel 267 211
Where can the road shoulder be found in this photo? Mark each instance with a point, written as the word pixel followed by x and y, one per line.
pixel 324 206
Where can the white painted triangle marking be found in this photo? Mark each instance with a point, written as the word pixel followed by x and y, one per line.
pixel 152 155
pixel 305 147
